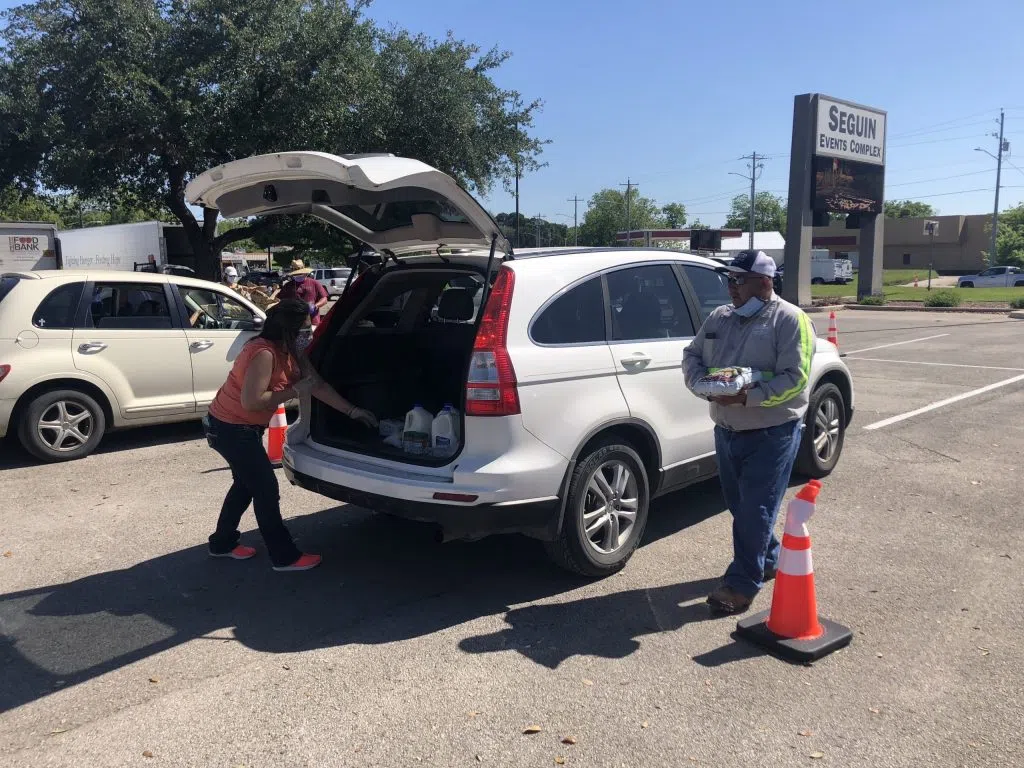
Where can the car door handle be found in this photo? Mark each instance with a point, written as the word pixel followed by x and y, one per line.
pixel 90 347
pixel 637 358
pixel 199 346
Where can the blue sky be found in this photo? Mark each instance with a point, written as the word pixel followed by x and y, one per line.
pixel 670 93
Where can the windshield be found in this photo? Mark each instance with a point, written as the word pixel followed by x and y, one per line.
pixel 336 274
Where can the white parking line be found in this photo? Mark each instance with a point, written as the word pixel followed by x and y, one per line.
pixel 942 403
pixel 944 365
pixel 896 344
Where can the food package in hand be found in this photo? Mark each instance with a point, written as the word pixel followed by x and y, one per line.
pixel 725 382
pixel 389 427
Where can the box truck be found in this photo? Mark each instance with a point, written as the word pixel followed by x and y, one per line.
pixel 28 246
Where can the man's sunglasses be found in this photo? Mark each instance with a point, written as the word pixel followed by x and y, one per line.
pixel 737 279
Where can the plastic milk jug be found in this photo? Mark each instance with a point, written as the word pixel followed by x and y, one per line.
pixel 444 431
pixel 416 434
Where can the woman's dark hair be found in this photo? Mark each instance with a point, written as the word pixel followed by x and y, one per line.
pixel 284 321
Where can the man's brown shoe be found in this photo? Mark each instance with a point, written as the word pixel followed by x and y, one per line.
pixel 727 600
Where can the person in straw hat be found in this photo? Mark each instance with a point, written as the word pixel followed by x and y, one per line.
pixel 299 285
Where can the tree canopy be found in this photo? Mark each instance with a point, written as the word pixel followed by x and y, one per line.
pixel 907 209
pixel 606 215
pixel 769 213
pixel 70 211
pixel 1010 237
pixel 132 98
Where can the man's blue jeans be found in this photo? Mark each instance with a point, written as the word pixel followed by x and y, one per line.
pixel 754 469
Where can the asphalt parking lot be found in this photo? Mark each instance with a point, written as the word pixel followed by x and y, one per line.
pixel 121 643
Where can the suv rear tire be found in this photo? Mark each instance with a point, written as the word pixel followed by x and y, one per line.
pixel 967 284
pixel 608 491
pixel 61 425
pixel 825 424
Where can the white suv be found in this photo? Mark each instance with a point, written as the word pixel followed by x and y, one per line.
pixel 569 381
pixel 86 351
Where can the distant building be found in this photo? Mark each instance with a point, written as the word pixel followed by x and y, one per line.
pixel 958 245
pixel 772 243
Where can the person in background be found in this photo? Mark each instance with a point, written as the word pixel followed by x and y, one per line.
pixel 299 285
pixel 758 431
pixel 269 371
pixel 231 278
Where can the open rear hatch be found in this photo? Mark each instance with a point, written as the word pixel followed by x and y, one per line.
pixel 394 204
pixel 403 334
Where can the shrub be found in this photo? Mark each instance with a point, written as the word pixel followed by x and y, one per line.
pixel 873 301
pixel 1017 303
pixel 943 299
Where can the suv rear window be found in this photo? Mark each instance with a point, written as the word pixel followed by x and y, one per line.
pixel 7 285
pixel 575 317
pixel 58 309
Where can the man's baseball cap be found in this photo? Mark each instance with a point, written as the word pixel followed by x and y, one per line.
pixel 757 262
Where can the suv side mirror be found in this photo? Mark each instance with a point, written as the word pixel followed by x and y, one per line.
pixel 257 324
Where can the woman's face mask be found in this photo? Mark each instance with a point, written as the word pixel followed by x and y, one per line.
pixel 231 279
pixel 304 339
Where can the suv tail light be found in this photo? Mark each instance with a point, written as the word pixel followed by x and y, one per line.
pixel 492 388
pixel 4 370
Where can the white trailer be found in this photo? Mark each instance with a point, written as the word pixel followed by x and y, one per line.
pixel 28 246
pixel 151 246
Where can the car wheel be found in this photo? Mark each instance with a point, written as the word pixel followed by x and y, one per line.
pixel 824 432
pixel 968 284
pixel 61 425
pixel 605 512
pixel 817 281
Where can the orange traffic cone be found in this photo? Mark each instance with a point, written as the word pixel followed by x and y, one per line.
pixel 792 628
pixel 275 436
pixel 833 332
pixel 915 279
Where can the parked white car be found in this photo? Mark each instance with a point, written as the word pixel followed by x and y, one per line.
pixel 994 277
pixel 574 413
pixel 84 352
pixel 333 279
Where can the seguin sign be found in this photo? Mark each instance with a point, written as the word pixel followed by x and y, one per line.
pixel 849 132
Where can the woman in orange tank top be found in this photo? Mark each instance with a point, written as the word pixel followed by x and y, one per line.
pixel 270 370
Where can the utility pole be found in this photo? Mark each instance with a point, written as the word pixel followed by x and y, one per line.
pixel 755 173
pixel 575 219
pixel 517 203
pixel 995 212
pixel 629 185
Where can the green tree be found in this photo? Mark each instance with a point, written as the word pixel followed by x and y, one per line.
pixel 769 213
pixel 1010 238
pixel 674 215
pixel 907 209
pixel 132 98
pixel 698 224
pixel 606 215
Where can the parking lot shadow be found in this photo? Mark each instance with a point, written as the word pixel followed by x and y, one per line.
pixel 607 625
pixel 382 580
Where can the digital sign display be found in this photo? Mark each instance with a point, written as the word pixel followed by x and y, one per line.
pixel 847 186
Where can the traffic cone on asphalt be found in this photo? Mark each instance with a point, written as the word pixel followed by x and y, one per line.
pixel 275 436
pixel 792 628
pixel 833 332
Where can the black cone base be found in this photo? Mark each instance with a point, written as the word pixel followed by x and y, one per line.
pixel 754 628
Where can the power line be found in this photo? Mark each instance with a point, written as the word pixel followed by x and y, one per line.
pixel 940 178
pixel 933 141
pixel 907 134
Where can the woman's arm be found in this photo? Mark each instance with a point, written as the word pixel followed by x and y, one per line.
pixel 255 393
pixel 325 393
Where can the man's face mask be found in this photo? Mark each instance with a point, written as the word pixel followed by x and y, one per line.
pixel 299 278
pixel 750 308
pixel 231 279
